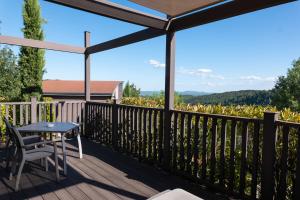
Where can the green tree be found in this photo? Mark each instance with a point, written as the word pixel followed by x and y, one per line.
pixel 286 93
pixel 31 60
pixel 10 85
pixel 130 90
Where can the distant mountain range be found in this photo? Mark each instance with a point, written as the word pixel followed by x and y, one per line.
pixel 190 93
pixel 242 97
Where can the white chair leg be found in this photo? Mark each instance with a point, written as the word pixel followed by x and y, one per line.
pixel 79 145
pixel 46 164
pixel 56 162
pixel 19 175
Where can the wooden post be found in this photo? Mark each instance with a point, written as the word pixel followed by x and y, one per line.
pixel 268 155
pixel 114 124
pixel 169 94
pixel 87 68
pixel 33 109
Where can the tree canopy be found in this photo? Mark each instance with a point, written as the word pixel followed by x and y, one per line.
pixel 31 60
pixel 286 93
pixel 130 90
pixel 10 85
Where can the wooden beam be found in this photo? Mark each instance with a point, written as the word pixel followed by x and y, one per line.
pixel 125 40
pixel 115 11
pixel 87 68
pixel 40 44
pixel 223 11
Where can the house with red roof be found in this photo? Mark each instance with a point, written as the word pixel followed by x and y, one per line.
pixel 62 90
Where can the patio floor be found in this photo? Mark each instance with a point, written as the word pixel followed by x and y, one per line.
pixel 101 174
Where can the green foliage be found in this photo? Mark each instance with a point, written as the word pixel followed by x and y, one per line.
pixel 250 111
pixel 10 76
pixel 243 97
pixel 31 60
pixel 286 93
pixel 130 90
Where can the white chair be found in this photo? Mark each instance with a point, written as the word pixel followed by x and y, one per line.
pixel 25 153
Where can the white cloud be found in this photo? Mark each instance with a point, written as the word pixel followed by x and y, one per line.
pixel 156 63
pixel 202 72
pixel 257 78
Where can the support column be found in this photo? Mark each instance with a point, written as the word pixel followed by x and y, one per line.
pixel 87 68
pixel 169 94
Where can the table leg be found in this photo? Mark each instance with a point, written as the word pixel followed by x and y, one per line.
pixel 64 153
pixel 79 145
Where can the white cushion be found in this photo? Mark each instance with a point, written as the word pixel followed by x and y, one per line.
pixel 176 194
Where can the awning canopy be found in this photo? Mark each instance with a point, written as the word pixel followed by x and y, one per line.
pixel 176 7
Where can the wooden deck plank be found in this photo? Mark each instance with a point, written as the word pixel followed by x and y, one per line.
pixel 101 174
pixel 116 177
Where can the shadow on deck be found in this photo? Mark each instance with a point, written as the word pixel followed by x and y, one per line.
pixel 101 174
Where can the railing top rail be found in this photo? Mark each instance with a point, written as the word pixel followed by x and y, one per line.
pixel 229 117
pixel 287 123
pixel 99 103
pixel 15 103
pixel 40 102
pixel 140 107
pixel 55 102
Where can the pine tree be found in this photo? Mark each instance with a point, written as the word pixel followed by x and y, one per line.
pixel 31 60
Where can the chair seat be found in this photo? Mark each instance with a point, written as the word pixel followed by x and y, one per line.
pixel 39 153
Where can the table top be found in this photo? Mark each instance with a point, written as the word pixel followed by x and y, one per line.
pixel 42 127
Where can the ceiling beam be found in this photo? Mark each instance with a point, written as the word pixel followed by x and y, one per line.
pixel 125 40
pixel 115 11
pixel 40 44
pixel 222 11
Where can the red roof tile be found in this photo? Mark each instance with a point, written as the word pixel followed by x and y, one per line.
pixel 63 86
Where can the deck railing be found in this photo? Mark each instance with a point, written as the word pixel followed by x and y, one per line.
pixel 23 113
pixel 243 157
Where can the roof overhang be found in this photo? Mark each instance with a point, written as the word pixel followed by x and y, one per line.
pixel 175 8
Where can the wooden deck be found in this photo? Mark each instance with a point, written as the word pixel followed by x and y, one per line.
pixel 101 174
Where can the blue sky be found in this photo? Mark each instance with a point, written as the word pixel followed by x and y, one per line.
pixel 245 52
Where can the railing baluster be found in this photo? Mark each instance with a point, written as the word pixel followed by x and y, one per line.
pixel 7 112
pixel 21 115
pixel 155 136
pixel 26 114
pixel 174 159
pixel 135 132
pixel 282 186
pixel 160 136
pixel 204 148
pixel 14 115
pixel 255 159
pixel 243 158
pixel 232 155
pixel 296 194
pixel 127 130
pixel 124 129
pixel 189 146
pixel 213 150
pixel 150 135
pixel 145 134
pixel 140 139
pixel 196 147
pixel 131 130
pixel 222 151
pixel 181 143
